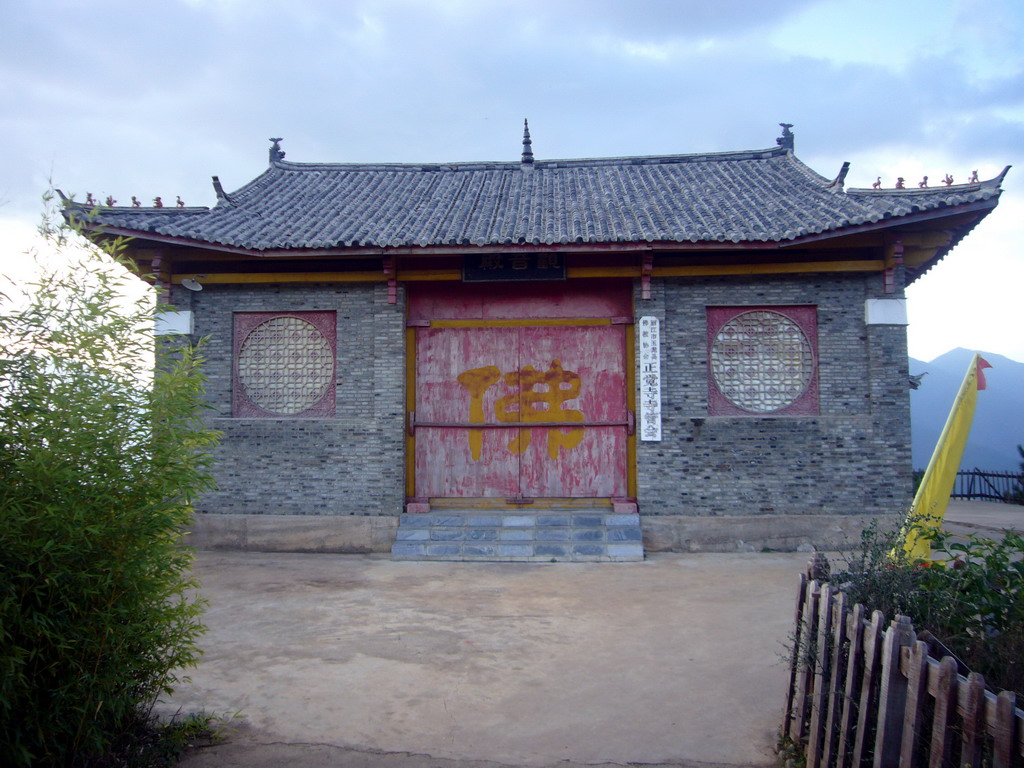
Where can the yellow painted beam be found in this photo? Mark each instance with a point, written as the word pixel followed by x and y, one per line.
pixel 410 407
pixel 710 270
pixel 603 272
pixel 915 257
pixel 631 403
pixel 695 270
pixel 233 278
pixel 419 275
pixel 514 323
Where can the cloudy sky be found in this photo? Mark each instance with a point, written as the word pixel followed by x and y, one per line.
pixel 152 98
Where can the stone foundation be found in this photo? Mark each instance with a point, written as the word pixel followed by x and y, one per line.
pixel 755 533
pixel 342 534
pixel 348 534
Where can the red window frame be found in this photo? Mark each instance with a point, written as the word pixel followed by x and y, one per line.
pixel 243 405
pixel 805 318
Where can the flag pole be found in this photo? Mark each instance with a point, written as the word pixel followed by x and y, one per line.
pixel 932 498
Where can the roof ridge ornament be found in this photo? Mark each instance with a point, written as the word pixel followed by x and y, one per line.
pixel 840 180
pixel 786 139
pixel 222 196
pixel 275 150
pixel 527 144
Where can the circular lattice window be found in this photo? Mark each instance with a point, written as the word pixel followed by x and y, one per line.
pixel 285 366
pixel 761 361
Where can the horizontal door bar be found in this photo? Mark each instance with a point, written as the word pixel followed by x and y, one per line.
pixel 629 423
pixel 519 424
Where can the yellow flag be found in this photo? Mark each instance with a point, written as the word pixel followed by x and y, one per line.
pixel 929 505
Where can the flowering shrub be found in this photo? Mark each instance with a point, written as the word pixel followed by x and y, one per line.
pixel 970 595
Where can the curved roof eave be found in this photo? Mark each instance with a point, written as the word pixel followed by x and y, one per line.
pixel 582 247
pixel 754 199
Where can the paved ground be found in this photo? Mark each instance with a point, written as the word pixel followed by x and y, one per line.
pixel 983 518
pixel 366 662
pixel 360 660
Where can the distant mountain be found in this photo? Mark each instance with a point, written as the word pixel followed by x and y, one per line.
pixel 998 426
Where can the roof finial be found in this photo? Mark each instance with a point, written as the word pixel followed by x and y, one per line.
pixel 527 144
pixel 786 139
pixel 840 179
pixel 275 150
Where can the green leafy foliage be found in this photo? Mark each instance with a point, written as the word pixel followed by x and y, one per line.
pixel 1016 495
pixel 102 450
pixel 970 595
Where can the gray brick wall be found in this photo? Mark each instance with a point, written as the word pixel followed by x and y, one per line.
pixel 349 465
pixel 854 457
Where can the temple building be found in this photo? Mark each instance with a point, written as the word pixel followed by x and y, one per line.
pixel 550 359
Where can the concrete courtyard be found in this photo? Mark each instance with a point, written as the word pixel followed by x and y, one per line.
pixel 358 659
pixel 361 661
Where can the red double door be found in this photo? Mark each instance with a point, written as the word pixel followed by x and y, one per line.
pixel 521 407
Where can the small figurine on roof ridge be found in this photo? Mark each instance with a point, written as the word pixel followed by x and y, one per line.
pixel 948 181
pixel 923 183
pixel 157 202
pixel 135 202
pixel 275 150
pixel 786 140
pixel 111 202
pixel 90 200
pixel 181 203
pixel 974 178
pixel 877 184
pixel 899 183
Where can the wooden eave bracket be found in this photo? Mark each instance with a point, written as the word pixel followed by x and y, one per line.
pixel 390 276
pixel 161 274
pixel 646 269
pixel 893 264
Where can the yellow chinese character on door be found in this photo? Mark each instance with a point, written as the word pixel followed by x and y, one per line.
pixel 526 405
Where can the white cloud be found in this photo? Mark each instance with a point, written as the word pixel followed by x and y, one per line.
pixel 972 299
pixel 125 98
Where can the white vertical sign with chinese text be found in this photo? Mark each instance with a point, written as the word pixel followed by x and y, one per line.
pixel 650 379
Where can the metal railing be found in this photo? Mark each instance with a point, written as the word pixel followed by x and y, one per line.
pixel 977 484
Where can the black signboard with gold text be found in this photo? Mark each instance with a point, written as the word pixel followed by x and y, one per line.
pixel 508 267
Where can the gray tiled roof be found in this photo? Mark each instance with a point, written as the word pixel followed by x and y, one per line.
pixel 756 196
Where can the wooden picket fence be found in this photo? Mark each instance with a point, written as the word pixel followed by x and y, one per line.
pixel 864 693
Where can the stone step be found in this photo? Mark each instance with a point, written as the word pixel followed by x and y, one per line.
pixel 557 536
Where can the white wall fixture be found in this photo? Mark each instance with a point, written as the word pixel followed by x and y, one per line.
pixel 170 323
pixel 885 312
